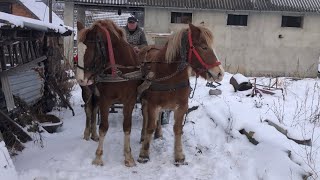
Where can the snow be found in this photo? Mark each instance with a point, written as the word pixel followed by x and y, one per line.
pixel 240 78
pixel 213 145
pixel 18 21
pixel 7 169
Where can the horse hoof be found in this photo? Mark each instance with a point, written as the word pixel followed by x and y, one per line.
pixel 86 138
pixel 143 160
pixel 97 162
pixel 180 162
pixel 130 163
pixel 158 136
pixel 95 138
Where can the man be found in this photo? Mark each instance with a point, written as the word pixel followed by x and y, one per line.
pixel 135 35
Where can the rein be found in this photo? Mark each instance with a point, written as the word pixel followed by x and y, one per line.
pixel 110 51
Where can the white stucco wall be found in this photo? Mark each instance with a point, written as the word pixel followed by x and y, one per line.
pixel 255 49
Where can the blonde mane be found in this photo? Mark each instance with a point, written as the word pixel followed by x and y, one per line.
pixel 108 24
pixel 174 42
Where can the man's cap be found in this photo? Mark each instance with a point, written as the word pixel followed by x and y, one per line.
pixel 132 19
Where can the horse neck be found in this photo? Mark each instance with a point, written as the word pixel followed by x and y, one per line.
pixel 125 55
pixel 164 69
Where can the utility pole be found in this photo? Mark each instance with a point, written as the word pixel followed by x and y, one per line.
pixel 50 10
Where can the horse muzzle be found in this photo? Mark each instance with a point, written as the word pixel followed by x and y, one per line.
pixel 215 74
pixel 85 82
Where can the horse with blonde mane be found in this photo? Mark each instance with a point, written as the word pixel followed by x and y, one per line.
pixel 104 58
pixel 188 50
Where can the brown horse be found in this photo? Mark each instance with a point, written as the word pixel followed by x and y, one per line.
pixel 104 54
pixel 187 50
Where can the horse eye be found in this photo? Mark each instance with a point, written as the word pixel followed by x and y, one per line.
pixel 204 48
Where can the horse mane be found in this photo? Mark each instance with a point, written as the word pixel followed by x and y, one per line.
pixel 174 42
pixel 108 24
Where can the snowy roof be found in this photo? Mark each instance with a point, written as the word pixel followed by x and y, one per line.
pixel 23 22
pixel 41 10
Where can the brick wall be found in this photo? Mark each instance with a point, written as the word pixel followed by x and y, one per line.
pixel 20 10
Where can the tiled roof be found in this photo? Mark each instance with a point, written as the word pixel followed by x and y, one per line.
pixel 250 5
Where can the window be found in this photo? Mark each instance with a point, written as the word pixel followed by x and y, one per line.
pixel 183 18
pixel 5 7
pixel 292 21
pixel 237 20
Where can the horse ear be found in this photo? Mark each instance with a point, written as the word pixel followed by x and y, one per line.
pixel 80 26
pixel 194 30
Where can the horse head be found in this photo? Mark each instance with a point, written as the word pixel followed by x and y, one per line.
pixel 193 46
pixel 96 49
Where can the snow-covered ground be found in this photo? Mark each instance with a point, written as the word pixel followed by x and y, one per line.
pixel 213 145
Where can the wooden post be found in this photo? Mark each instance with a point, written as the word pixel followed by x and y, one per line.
pixel 15 51
pixel 23 53
pixel 50 10
pixel 28 54
pixel 10 55
pixel 2 58
pixel 33 56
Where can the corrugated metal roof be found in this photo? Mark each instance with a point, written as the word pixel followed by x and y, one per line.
pixel 256 5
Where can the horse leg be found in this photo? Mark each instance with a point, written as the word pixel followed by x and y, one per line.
pixel 94 135
pixel 145 119
pixel 153 114
pixel 158 132
pixel 177 128
pixel 103 128
pixel 88 111
pixel 127 123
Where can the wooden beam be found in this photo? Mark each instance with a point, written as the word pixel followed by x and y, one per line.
pixel 22 52
pixel 2 59
pixel 33 56
pixel 21 134
pixel 24 66
pixel 7 90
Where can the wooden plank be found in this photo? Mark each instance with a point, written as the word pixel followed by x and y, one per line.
pixel 36 48
pixel 21 134
pixel 2 58
pixel 23 53
pixel 33 56
pixel 16 53
pixel 28 53
pixel 10 59
pixel 7 90
pixel 24 66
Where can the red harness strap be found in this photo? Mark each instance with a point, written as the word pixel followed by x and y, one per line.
pixel 193 50
pixel 110 50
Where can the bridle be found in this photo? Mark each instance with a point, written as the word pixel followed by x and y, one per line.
pixel 192 50
pixel 101 49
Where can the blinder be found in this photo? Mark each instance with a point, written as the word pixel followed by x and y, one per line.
pixel 100 52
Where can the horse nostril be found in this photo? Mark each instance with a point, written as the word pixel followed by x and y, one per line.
pixel 219 74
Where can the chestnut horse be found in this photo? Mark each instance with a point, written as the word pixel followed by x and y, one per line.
pixel 103 53
pixel 187 50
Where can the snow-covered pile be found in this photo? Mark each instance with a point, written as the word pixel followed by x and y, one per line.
pixel 214 147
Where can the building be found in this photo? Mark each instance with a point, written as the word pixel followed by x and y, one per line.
pixel 253 37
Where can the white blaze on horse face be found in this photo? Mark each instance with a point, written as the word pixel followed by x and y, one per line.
pixel 216 72
pixel 81 51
